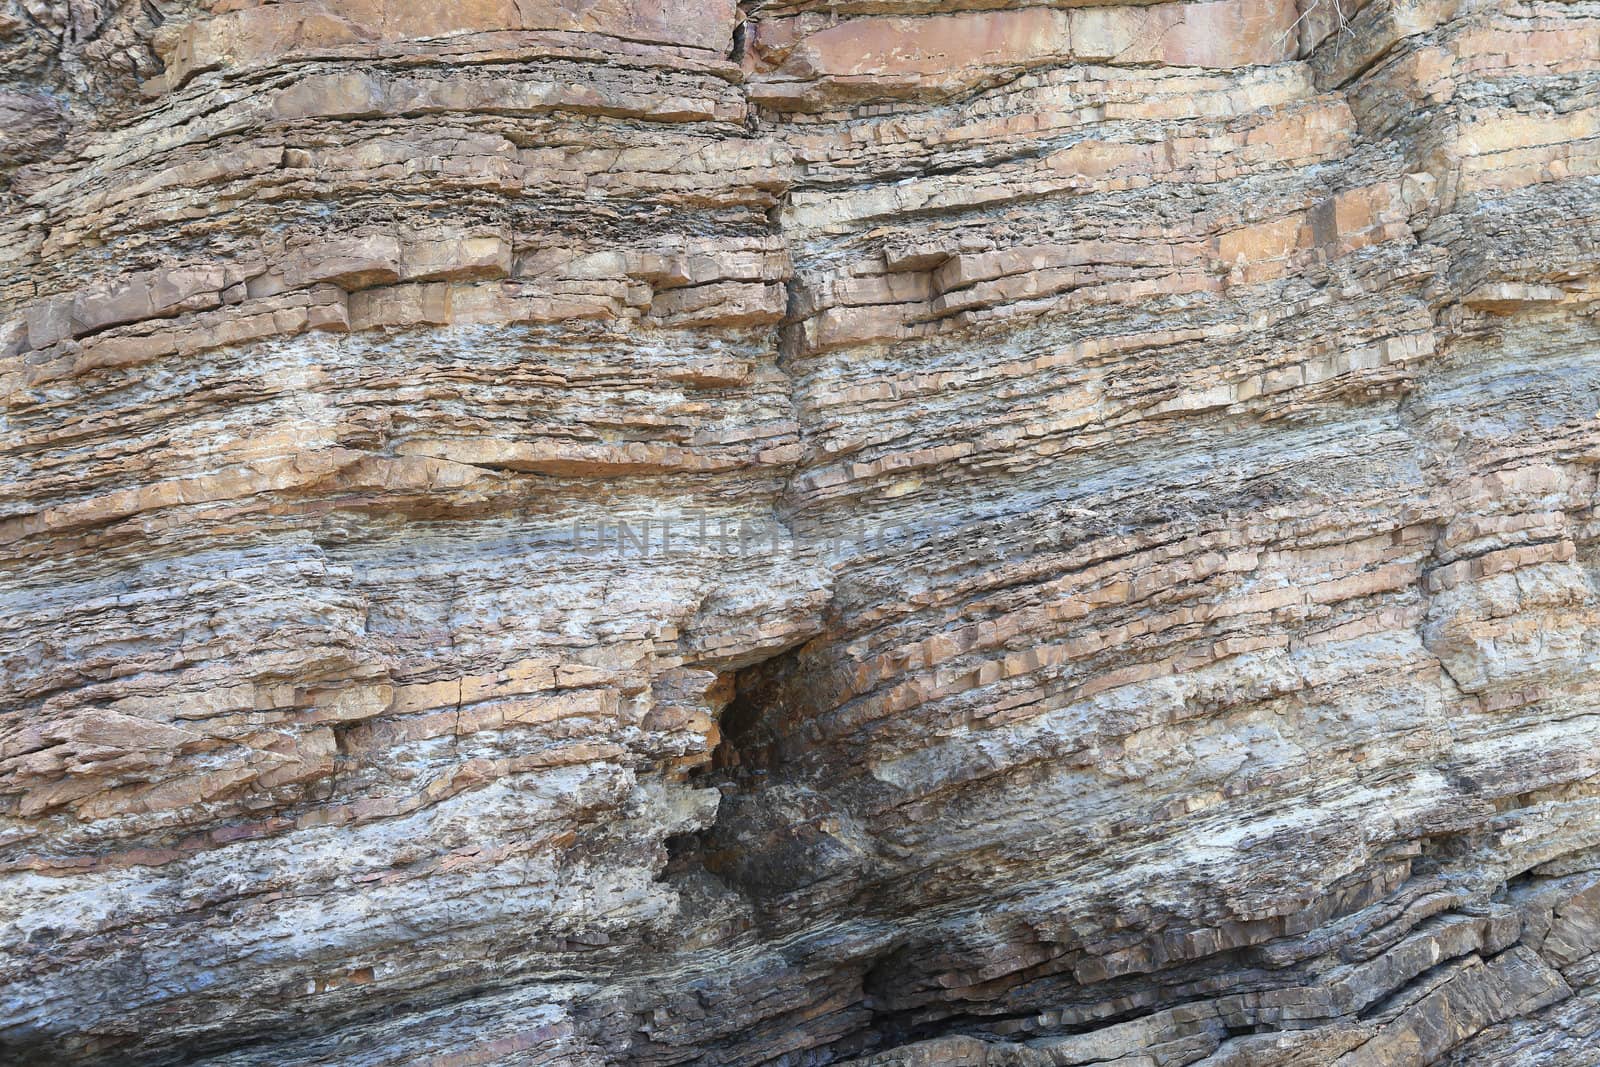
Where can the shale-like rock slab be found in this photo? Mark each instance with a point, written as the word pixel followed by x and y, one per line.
pixel 809 531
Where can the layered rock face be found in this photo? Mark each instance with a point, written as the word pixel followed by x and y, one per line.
pixel 878 532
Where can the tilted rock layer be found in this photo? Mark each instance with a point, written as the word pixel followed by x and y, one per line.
pixel 887 532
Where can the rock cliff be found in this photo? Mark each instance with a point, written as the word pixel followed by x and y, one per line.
pixel 889 532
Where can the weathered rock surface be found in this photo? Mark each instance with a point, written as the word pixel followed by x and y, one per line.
pixel 879 532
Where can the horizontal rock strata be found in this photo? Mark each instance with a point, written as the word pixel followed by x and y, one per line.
pixel 875 532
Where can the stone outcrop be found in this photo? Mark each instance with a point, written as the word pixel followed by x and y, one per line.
pixel 800 532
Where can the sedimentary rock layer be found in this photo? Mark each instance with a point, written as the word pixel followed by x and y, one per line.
pixel 800 532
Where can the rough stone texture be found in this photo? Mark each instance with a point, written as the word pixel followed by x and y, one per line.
pixel 1132 587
